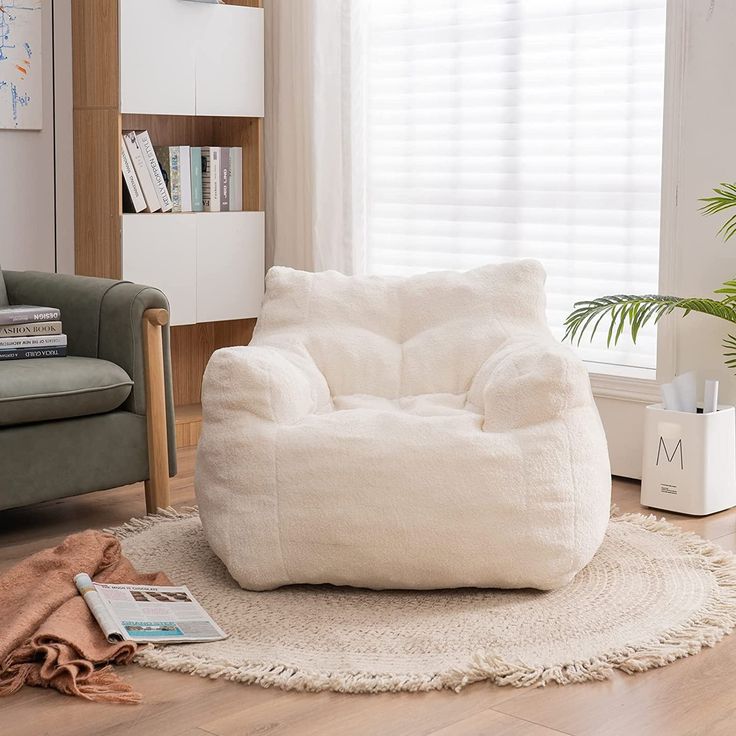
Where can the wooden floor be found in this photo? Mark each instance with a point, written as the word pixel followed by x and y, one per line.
pixel 693 696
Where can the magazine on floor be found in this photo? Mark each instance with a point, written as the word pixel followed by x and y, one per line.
pixel 148 613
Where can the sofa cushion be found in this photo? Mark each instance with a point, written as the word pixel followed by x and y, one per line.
pixel 41 389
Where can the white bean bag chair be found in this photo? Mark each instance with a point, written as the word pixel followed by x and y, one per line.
pixel 426 432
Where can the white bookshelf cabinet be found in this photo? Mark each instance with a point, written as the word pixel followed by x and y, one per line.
pixel 194 59
pixel 184 254
pixel 191 74
pixel 186 58
pixel 237 239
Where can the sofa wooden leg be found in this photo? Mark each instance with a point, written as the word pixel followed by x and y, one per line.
pixel 157 485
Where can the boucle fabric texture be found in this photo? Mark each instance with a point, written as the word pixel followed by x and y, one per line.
pixel 651 595
pixel 383 432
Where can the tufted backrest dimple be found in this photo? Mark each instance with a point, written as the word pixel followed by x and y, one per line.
pixel 393 336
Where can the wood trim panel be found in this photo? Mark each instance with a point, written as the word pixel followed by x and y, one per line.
pixel 173 130
pixel 97 193
pixel 97 189
pixel 95 53
pixel 191 348
pixel 188 425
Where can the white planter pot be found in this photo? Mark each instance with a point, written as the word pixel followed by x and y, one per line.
pixel 689 463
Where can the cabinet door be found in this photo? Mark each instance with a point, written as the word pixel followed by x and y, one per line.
pixel 161 251
pixel 229 62
pixel 230 265
pixel 157 56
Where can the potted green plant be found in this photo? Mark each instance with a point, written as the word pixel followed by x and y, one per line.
pixel 630 312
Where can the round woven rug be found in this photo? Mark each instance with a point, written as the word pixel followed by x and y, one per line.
pixel 651 595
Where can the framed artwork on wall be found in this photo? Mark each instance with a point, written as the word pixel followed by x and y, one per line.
pixel 21 64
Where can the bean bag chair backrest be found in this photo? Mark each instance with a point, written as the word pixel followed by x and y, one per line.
pixel 395 337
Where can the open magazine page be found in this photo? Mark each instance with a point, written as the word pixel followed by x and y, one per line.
pixel 110 627
pixel 154 613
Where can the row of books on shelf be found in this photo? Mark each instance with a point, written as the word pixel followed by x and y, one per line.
pixel 180 178
pixel 31 332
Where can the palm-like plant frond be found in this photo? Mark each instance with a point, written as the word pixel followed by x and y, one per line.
pixel 729 345
pixel 729 288
pixel 632 311
pixel 725 198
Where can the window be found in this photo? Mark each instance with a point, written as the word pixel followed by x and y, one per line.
pixel 497 129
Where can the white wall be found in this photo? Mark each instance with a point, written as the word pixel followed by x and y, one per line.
pixel 623 421
pixel 31 231
pixel 699 152
pixel 698 260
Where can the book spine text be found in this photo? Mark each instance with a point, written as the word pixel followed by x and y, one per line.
pixel 136 156
pixel 236 179
pixel 25 353
pixel 15 315
pixel 131 179
pixel 206 178
pixel 196 157
pixel 30 328
pixel 154 170
pixel 33 341
pixel 185 165
pixel 175 174
pixel 224 179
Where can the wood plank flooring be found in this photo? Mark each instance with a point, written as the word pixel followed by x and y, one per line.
pixel 692 697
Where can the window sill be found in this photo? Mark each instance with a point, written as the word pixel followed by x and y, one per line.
pixel 623 383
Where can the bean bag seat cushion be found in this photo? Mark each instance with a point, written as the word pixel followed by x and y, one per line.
pixel 387 432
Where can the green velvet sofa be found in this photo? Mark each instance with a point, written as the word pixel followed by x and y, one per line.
pixel 101 417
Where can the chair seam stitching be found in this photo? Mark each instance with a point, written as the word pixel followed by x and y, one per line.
pixel 73 392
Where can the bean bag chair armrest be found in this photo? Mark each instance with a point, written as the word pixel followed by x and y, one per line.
pixel 529 381
pixel 271 383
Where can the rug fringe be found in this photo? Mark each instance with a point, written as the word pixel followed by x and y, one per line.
pixel 289 678
pixel 709 626
pixel 136 525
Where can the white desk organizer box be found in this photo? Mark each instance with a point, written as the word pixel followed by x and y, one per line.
pixel 689 461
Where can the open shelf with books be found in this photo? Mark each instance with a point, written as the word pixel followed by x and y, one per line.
pixel 210 264
pixel 241 134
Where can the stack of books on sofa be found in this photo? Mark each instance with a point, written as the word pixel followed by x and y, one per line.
pixel 180 178
pixel 31 332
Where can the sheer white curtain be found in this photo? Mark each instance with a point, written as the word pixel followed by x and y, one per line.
pixel 310 126
pixel 411 135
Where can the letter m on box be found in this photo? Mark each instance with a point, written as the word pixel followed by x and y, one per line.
pixel 676 450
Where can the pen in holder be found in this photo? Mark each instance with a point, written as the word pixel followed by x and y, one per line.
pixel 689 463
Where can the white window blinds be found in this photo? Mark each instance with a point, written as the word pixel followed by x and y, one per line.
pixel 497 129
